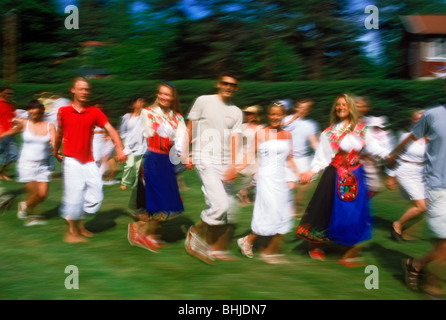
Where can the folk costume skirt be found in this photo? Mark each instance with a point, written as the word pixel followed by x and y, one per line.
pixel 157 191
pixel 328 217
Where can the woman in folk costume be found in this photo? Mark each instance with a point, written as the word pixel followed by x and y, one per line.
pixel 164 127
pixel 339 209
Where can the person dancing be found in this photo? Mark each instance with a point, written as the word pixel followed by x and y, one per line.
pixel 163 127
pixel 273 206
pixel 409 175
pixel 132 133
pixel 33 164
pixel 339 208
pixel 83 192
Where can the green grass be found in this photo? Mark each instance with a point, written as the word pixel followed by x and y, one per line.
pixel 33 259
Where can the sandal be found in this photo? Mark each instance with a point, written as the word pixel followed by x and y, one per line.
pixel 412 277
pixel 245 247
pixel 395 235
pixel 197 247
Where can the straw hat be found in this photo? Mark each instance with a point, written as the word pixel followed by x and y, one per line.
pixel 252 109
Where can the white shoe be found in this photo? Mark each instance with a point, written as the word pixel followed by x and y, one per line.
pixel 21 212
pixel 35 222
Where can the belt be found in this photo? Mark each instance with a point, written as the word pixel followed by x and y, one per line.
pixel 414 162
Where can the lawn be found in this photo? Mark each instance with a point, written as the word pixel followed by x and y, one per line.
pixel 34 259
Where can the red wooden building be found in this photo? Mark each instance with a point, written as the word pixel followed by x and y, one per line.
pixel 425 40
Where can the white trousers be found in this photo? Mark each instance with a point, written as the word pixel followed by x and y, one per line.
pixel 82 189
pixel 221 205
pixel 436 212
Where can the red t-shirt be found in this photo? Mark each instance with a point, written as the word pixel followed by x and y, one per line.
pixel 78 131
pixel 7 113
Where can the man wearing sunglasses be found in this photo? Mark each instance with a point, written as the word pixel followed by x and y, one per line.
pixel 215 125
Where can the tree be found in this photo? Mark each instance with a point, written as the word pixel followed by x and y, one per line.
pixel 37 41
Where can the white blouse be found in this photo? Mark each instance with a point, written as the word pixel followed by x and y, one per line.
pixel 165 128
pixel 351 141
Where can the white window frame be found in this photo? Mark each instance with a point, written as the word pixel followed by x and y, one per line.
pixel 435 50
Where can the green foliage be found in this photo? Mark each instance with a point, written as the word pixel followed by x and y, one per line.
pixel 392 98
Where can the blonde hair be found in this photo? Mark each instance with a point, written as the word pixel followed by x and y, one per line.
pixel 176 106
pixel 77 79
pixel 276 104
pixel 353 112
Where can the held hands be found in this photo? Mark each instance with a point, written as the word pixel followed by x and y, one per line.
pixel 390 160
pixel 230 175
pixel 188 163
pixel 58 156
pixel 120 156
pixel 306 177
pixel 391 183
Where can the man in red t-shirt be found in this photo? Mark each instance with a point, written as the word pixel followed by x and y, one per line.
pixel 83 192
pixel 8 146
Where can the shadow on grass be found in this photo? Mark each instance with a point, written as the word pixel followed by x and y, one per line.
pixel 175 229
pixel 103 221
pixel 388 259
pixel 381 223
pixel 50 214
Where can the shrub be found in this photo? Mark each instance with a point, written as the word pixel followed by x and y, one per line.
pixel 392 98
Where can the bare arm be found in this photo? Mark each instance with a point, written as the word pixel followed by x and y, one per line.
pixel 58 143
pixel 13 131
pixel 294 117
pixel 187 161
pixel 52 130
pixel 391 159
pixel 231 173
pixel 114 135
pixel 290 160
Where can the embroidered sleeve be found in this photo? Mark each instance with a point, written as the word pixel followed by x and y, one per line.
pixel 147 118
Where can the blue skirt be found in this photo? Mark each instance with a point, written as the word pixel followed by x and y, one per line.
pixel 350 221
pixel 162 197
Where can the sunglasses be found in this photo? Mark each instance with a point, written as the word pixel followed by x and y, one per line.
pixel 229 84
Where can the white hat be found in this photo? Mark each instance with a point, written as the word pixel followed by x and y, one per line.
pixel 379 122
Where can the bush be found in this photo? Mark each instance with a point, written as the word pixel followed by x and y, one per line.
pixel 392 98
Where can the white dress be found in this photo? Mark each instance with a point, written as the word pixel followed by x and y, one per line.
pixel 273 207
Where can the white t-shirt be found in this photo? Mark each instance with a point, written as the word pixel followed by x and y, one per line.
pixel 301 130
pixel 132 133
pixel 214 124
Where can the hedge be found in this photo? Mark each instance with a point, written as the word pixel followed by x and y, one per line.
pixel 392 98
